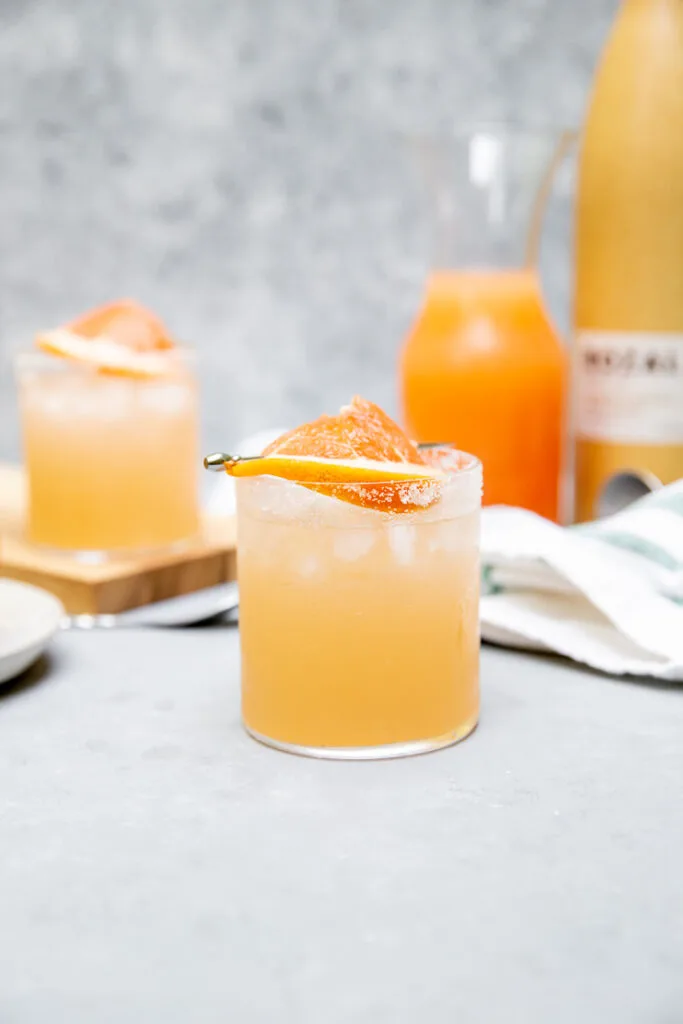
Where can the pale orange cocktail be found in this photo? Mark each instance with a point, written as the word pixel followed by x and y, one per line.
pixel 110 438
pixel 358 620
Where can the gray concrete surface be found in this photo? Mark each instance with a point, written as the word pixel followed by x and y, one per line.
pixel 231 163
pixel 160 866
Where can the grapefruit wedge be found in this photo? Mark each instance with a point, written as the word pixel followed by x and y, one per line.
pixel 360 456
pixel 103 355
pixel 121 338
pixel 125 322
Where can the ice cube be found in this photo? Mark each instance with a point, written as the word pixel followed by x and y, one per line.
pixel 350 545
pixel 402 540
pixel 166 398
pixel 308 566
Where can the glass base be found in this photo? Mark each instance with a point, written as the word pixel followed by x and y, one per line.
pixel 379 753
pixel 113 555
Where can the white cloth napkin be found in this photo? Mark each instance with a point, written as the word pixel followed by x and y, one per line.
pixel 608 594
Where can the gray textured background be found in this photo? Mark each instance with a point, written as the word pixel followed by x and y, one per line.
pixel 229 162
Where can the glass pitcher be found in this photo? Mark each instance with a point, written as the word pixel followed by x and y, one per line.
pixel 483 366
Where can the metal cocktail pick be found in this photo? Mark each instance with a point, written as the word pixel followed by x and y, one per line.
pixel 218 460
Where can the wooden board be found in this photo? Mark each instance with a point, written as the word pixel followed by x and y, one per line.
pixel 121 583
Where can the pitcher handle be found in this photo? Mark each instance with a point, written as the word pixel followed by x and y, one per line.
pixel 565 144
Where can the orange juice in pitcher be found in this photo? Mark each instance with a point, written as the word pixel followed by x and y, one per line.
pixel 483 366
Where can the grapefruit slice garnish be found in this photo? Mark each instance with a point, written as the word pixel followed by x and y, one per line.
pixel 103 355
pixel 125 322
pixel 315 469
pixel 121 338
pixel 360 456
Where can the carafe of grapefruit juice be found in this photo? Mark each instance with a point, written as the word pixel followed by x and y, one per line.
pixel 483 366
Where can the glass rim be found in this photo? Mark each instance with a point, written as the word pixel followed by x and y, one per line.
pixel 37 360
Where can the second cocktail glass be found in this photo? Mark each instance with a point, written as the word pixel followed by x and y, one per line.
pixel 111 457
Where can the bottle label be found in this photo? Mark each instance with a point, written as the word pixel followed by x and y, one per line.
pixel 628 387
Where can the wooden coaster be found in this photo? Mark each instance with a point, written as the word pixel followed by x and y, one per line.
pixel 113 586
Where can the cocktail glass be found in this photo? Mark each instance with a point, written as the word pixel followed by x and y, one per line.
pixel 359 627
pixel 111 461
